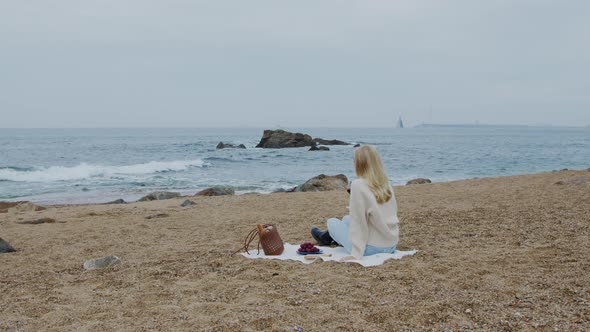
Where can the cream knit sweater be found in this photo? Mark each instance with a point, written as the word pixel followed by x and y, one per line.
pixel 371 223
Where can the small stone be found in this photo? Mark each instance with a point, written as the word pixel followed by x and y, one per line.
pixel 37 221
pixel 564 169
pixel 5 247
pixel 187 203
pixel 101 263
pixel 85 189
pixel 159 215
pixel 468 311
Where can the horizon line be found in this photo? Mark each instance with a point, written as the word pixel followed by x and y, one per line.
pixel 324 127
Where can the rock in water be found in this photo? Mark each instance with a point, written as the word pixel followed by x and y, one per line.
pixel 187 203
pixel 159 195
pixel 221 145
pixel 278 139
pixel 418 181
pixel 319 148
pixel 324 183
pixel 357 145
pixel 216 191
pixel 101 263
pixel 5 247
pixel 329 142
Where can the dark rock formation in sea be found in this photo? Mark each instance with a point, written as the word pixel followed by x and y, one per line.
pixel 159 195
pixel 278 139
pixel 357 145
pixel 5 247
pixel 216 191
pixel 329 142
pixel 222 145
pixel 319 148
pixel 418 181
pixel 324 183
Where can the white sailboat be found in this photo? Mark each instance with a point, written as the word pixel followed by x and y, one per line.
pixel 400 123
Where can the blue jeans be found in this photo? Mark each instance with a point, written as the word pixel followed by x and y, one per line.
pixel 340 231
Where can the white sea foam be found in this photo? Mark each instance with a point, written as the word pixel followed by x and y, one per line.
pixel 85 171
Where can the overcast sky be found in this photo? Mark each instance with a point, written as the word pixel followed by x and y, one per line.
pixel 72 63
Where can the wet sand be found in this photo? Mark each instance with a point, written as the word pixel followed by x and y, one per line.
pixel 494 254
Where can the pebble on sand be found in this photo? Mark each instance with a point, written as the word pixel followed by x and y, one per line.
pixel 101 263
pixel 5 247
pixel 187 203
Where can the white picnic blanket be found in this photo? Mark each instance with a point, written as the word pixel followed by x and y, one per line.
pixel 338 253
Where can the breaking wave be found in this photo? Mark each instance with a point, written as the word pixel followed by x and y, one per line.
pixel 86 171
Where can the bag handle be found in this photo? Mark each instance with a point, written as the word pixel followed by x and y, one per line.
pixel 259 230
pixel 249 238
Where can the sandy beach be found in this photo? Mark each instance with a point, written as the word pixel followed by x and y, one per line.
pixel 506 253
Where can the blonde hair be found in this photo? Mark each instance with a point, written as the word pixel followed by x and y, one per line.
pixel 368 166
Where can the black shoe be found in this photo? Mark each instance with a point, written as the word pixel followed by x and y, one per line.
pixel 323 238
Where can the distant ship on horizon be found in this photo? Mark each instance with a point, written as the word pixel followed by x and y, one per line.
pixel 400 123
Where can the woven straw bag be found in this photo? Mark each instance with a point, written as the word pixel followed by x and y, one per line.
pixel 268 238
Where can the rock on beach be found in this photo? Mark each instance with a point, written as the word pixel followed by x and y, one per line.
pixel 187 203
pixel 37 221
pixel 324 182
pixel 17 207
pixel 159 195
pixel 418 181
pixel 117 201
pixel 216 191
pixel 101 263
pixel 5 247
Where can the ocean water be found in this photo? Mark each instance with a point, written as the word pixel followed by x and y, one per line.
pixel 100 165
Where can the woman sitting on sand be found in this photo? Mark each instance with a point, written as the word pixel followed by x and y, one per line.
pixel 372 226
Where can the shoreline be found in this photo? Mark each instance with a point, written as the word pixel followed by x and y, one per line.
pixel 493 253
pixel 185 192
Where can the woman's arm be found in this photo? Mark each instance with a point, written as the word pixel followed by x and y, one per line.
pixel 359 231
